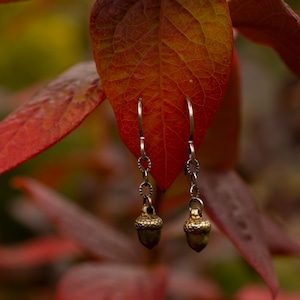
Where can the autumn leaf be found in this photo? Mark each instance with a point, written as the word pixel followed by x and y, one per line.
pixel 89 233
pixel 220 146
pixel 162 51
pixel 232 208
pixel 109 282
pixel 271 23
pixel 50 115
pixel 279 242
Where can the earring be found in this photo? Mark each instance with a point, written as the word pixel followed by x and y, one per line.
pixel 197 228
pixel 147 224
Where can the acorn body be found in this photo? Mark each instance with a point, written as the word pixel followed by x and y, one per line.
pixel 148 226
pixel 197 230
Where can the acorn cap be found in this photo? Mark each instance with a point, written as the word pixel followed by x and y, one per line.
pixel 148 222
pixel 148 227
pixel 197 230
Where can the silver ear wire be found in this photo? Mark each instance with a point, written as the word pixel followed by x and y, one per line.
pixel 140 115
pixel 140 121
pixel 148 224
pixel 192 128
pixel 191 117
pixel 197 228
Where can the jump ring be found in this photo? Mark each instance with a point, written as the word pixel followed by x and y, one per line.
pixel 147 201
pixel 196 164
pixel 147 160
pixel 194 188
pixel 198 201
pixel 150 189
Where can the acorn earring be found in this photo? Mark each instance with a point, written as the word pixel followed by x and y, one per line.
pixel 147 224
pixel 197 228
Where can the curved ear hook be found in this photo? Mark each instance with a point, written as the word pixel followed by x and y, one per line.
pixel 140 116
pixel 191 117
pixel 192 125
pixel 140 121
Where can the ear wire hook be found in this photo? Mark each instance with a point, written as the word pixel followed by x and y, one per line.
pixel 192 127
pixel 140 116
pixel 191 117
pixel 140 121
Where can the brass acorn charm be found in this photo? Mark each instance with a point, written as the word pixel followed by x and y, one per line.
pixel 148 226
pixel 197 229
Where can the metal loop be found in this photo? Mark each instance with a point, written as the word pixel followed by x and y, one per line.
pixel 194 191
pixel 146 184
pixel 193 178
pixel 147 201
pixel 145 176
pixel 198 201
pixel 192 162
pixel 140 166
pixel 148 208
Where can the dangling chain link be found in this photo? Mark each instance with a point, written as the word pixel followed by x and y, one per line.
pixel 145 183
pixel 192 165
pixel 196 227
pixel 192 168
pixel 144 159
pixel 147 224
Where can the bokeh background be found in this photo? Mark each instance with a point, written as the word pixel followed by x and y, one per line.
pixel 41 39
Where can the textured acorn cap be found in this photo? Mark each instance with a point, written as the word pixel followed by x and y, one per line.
pixel 197 230
pixel 148 222
pixel 197 226
pixel 149 229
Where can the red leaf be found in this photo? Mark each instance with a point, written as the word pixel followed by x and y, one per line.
pixel 220 146
pixel 162 51
pixel 49 116
pixel 91 234
pixel 278 240
pixel 109 282
pixel 269 22
pixel 36 252
pixel 232 208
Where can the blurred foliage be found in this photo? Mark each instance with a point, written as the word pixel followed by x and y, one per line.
pixel 238 269
pixel 39 39
pixel 290 266
pixel 295 4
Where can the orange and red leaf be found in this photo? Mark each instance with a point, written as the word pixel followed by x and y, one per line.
pixel 220 147
pixel 162 51
pixel 50 115
pixel 272 23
